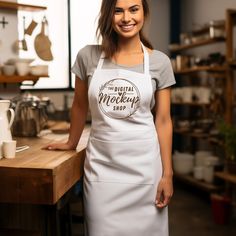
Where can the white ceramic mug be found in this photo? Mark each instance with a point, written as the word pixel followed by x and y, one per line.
pixel 1 156
pixel 208 173
pixel 203 94
pixel 9 148
pixel 187 94
pixel 198 172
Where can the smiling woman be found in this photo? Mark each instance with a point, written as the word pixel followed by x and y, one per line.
pixel 127 169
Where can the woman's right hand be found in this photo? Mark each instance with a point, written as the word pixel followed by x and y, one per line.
pixel 58 146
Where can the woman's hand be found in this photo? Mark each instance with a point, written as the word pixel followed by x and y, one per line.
pixel 58 146
pixel 164 191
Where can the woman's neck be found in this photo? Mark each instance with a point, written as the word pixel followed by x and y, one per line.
pixel 129 46
pixel 129 52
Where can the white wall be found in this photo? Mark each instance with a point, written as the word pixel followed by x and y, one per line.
pixel 8 35
pixel 202 11
pixel 196 13
pixel 159 24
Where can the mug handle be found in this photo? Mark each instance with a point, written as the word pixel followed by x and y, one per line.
pixel 11 117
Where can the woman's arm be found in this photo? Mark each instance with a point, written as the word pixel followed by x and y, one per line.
pixel 78 117
pixel 164 130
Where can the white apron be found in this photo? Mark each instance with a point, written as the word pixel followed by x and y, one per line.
pixel 123 164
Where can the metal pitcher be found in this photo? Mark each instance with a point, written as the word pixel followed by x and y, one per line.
pixel 30 118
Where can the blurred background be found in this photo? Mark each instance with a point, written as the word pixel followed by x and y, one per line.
pixel 39 42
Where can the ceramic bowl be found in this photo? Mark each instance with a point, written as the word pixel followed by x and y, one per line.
pixel 22 68
pixel 39 70
pixel 8 70
pixel 15 60
pixel 183 163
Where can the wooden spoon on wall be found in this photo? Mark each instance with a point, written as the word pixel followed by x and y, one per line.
pixel 42 43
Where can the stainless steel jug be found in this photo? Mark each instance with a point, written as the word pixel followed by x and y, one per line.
pixel 30 118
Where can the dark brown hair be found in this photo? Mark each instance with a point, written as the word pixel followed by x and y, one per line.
pixel 106 31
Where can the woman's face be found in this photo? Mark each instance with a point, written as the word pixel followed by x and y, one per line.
pixel 128 18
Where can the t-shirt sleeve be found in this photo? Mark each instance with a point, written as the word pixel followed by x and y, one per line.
pixel 166 74
pixel 80 65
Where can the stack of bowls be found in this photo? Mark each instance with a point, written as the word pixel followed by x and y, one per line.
pixel 205 163
pixel 22 65
pixel 183 163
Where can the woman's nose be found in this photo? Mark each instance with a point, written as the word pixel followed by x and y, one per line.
pixel 126 17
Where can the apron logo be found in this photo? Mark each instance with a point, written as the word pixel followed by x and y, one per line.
pixel 119 98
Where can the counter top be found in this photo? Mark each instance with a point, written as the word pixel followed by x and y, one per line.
pixel 37 176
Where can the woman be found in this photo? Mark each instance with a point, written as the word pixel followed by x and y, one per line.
pixel 127 171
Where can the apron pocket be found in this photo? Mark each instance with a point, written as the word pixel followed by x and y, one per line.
pixel 124 162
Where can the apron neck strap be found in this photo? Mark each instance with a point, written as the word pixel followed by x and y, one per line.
pixel 145 55
pixel 146 60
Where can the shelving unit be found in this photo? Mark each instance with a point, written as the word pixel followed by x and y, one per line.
pixel 233 63
pixel 25 7
pixel 226 176
pixel 191 134
pixel 189 179
pixel 190 76
pixel 205 136
pixel 18 6
pixel 19 79
pixel 191 104
pixel 202 68
pixel 178 48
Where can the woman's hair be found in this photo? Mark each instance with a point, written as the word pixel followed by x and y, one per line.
pixel 105 29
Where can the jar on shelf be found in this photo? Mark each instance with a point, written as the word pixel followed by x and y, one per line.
pixel 217 28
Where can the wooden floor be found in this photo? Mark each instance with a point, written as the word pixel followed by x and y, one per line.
pixel 189 214
pixel 8 232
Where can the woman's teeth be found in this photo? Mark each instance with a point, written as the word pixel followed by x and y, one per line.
pixel 127 27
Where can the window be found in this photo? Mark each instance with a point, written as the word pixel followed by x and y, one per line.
pixel 57 17
pixel 70 29
pixel 83 22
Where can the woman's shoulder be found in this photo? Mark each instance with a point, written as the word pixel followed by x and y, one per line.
pixel 158 60
pixel 90 50
pixel 156 54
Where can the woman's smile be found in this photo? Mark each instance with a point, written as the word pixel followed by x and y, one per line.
pixel 127 28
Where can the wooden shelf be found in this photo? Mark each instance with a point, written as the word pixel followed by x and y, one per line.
pixel 191 104
pixel 189 179
pixel 19 79
pixel 196 44
pixel 202 68
pixel 18 6
pixel 191 134
pixel 226 176
pixel 233 63
pixel 210 138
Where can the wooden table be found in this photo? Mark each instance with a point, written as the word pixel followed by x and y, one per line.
pixel 40 177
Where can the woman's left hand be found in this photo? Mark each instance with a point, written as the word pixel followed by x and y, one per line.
pixel 164 192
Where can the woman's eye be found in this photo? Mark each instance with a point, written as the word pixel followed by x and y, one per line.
pixel 134 10
pixel 118 11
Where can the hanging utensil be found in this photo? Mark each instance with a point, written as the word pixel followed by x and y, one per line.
pixel 29 30
pixel 42 43
pixel 23 41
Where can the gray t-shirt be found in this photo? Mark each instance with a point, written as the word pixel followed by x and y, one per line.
pixel 159 64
